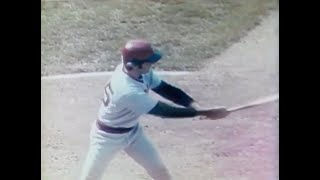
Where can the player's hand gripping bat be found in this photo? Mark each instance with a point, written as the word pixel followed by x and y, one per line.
pixel 219 113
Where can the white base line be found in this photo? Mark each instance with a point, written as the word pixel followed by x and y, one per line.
pixel 97 74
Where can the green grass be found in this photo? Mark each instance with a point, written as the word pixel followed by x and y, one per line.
pixel 84 36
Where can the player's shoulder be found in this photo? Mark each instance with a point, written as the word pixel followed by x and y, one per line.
pixel 118 77
pixel 127 88
pixel 118 70
pixel 150 74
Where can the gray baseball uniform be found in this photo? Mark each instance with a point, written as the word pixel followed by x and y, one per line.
pixel 126 99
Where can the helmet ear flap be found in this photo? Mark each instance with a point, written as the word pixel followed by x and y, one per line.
pixel 129 66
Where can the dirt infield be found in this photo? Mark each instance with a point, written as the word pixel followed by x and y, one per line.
pixel 243 146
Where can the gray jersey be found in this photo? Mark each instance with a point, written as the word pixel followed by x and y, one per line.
pixel 126 99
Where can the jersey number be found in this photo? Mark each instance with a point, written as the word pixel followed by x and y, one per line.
pixel 107 94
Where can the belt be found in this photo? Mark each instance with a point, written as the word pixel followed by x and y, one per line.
pixel 119 130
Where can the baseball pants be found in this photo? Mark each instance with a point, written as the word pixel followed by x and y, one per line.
pixel 104 146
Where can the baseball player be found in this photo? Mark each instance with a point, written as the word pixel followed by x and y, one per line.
pixel 126 98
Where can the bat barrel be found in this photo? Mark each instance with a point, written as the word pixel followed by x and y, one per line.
pixel 258 102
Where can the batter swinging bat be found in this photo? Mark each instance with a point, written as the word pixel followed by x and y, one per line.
pixel 257 102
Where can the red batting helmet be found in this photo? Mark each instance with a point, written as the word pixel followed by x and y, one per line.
pixel 139 51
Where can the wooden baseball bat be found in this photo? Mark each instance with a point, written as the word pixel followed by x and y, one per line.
pixel 257 102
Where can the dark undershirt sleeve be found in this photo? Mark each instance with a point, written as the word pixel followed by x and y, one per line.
pixel 167 111
pixel 173 94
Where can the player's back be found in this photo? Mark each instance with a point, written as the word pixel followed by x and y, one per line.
pixel 114 110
